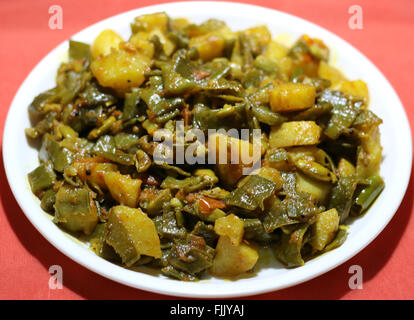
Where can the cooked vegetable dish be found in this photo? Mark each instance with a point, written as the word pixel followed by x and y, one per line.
pixel 102 178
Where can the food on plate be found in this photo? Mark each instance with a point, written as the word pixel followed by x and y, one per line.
pixel 144 153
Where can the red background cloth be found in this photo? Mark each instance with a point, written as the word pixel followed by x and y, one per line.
pixel 25 256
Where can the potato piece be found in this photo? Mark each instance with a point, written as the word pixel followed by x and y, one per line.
pixel 92 170
pixel 232 156
pixel 179 23
pixel 356 88
pixel 209 46
pixel 104 42
pixel 231 226
pixel 345 168
pixel 277 158
pixel 132 234
pixel 324 229
pixel 310 153
pixel 292 97
pixel 268 173
pixel 98 171
pixel 167 44
pixel 286 67
pixel 123 188
pixel 295 133
pixel 326 71
pixel 75 209
pixel 121 70
pixel 318 189
pixel 233 260
pixel 369 153
pixel 272 175
pixel 262 33
pixel 140 41
pixel 148 22
pixel 276 50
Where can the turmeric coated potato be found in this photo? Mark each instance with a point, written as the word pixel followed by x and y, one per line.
pixel 105 42
pixel 121 70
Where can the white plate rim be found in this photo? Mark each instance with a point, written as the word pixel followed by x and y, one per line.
pixel 201 289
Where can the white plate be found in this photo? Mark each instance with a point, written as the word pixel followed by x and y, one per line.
pixel 19 158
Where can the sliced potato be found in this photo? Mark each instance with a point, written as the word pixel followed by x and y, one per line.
pixel 132 234
pixel 148 22
pixel 262 33
pixel 233 260
pixel 92 170
pixel 123 188
pixel 295 133
pixel 141 42
pixel 276 50
pixel 231 226
pixel 232 156
pixel 326 71
pixel 292 97
pixel 318 189
pixel 273 175
pixel 209 46
pixel 324 229
pixel 369 153
pixel 346 168
pixel 106 41
pixel 121 70
pixel 167 44
pixel 356 88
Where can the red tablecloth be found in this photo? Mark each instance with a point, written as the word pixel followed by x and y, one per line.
pixel 25 256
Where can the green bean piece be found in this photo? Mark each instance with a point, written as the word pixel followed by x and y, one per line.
pixel 142 161
pixel 125 159
pixel 265 115
pixel 170 228
pixel 252 194
pixel 125 141
pixel 131 105
pixel 288 251
pixel 48 201
pixel 191 255
pixel 104 128
pixel 59 156
pixel 75 210
pixel 206 231
pixel 43 177
pixel 295 208
pixel 105 144
pixel 341 196
pixel 344 112
pixel 155 205
pixel 79 50
pixel 254 230
pixel 172 272
pixel 367 195
pixel 189 184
